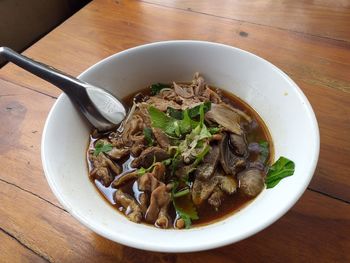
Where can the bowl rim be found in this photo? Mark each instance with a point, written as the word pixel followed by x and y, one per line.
pixel 168 248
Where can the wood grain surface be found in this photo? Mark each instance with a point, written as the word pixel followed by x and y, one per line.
pixel 309 40
pixel 325 18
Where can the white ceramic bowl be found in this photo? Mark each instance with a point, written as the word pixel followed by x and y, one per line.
pixel 277 99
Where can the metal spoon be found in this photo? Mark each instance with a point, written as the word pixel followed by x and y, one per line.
pixel 101 108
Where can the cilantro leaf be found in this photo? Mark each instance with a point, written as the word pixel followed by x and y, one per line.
pixel 282 168
pixel 195 111
pixel 157 87
pixel 187 213
pixel 102 147
pixel 192 112
pixel 162 121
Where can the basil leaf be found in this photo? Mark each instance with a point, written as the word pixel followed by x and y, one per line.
pixel 264 151
pixel 156 88
pixel 148 136
pixel 101 147
pixel 282 168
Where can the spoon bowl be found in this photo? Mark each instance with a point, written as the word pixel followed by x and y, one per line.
pixel 103 110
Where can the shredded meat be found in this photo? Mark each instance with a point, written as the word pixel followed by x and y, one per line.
pixel 147 182
pixel 102 166
pixel 185 91
pixel 132 209
pixel 162 104
pixel 198 84
pixel 157 210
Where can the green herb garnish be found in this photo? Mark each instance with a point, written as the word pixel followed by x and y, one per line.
pixel 102 147
pixel 143 170
pixel 192 112
pixel 213 130
pixel 173 126
pixel 195 111
pixel 282 168
pixel 182 193
pixel 148 136
pixel 191 212
pixel 201 155
pixel 156 88
pixel 164 122
pixel 177 114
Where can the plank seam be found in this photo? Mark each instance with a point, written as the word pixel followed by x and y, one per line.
pixel 25 87
pixel 24 245
pixel 38 196
pixel 328 195
pixel 244 21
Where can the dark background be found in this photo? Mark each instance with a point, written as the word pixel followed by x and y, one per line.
pixel 23 22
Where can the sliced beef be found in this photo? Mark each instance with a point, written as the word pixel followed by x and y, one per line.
pixel 224 115
pixel 124 178
pixel 148 156
pixel 239 144
pixel 202 189
pixel 207 167
pixel 230 162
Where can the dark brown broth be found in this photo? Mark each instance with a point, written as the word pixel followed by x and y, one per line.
pixel 206 213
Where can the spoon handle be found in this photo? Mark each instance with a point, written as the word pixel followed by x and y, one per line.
pixel 62 80
pixel 81 93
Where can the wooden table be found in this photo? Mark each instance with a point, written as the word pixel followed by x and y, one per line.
pixel 309 40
